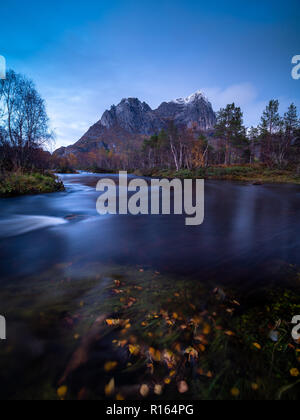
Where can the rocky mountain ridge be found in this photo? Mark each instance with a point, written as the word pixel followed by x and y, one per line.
pixel 132 120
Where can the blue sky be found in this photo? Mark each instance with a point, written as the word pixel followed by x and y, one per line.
pixel 87 55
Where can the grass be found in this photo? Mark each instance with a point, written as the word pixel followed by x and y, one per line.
pixel 17 184
pixel 256 174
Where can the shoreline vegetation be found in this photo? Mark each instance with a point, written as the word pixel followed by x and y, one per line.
pixel 15 184
pixel 255 174
pixel 18 184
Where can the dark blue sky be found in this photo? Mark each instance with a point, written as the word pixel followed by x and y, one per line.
pixel 86 55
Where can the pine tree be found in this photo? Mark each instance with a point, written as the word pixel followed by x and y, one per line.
pixel 291 121
pixel 270 126
pixel 230 129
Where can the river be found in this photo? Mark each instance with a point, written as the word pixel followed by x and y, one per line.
pixel 57 251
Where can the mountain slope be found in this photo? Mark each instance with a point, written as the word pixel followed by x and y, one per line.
pixel 127 124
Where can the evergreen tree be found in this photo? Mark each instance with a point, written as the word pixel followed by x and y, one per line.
pixel 230 129
pixel 291 121
pixel 270 126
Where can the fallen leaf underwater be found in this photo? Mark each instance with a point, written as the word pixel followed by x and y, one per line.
pixel 147 354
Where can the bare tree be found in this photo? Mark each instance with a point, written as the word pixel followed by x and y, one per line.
pixel 24 119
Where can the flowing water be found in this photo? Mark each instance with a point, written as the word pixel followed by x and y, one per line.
pixel 57 254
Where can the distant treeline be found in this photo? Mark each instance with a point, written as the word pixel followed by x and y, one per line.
pixel 274 143
pixel 24 135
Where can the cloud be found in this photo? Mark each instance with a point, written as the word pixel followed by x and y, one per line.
pixel 247 97
pixel 244 95
pixel 241 94
pixel 72 112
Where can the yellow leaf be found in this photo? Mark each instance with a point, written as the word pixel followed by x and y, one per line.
pixel 294 372
pixel 118 291
pixel 110 366
pixel 62 392
pixel 113 322
pixel 120 397
pixel 158 389
pixel 110 388
pixel 167 381
pixel 134 349
pixel 235 392
pixel 257 346
pixel 255 387
pixel 144 390
pixel 175 315
pixel 192 353
pixel 206 329
pixel 202 339
pixel 229 333
pixel 202 347
pixel 150 366
pixel 182 387
pixel 155 354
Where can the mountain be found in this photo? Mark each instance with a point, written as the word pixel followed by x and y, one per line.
pixel 126 125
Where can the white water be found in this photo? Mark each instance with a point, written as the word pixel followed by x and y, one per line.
pixel 18 225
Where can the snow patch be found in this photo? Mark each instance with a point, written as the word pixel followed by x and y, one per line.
pixel 192 98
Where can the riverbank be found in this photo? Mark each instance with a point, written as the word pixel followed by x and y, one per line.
pixel 17 184
pixel 255 174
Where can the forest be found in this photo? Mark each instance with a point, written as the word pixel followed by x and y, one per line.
pixel 25 138
pixel 273 144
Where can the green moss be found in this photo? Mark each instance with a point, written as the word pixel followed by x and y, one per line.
pixel 14 184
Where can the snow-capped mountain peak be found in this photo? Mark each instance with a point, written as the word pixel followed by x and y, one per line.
pixel 192 98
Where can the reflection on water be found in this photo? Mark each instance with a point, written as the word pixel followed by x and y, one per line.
pixel 58 256
pixel 246 227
